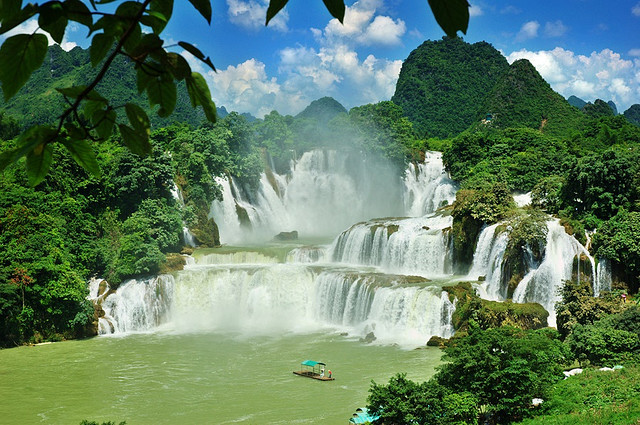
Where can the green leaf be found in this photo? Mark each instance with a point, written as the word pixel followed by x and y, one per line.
pixel 26 142
pixel 11 19
pixel 197 53
pixel 138 119
pixel 100 46
pixel 177 65
pixel 336 8
pixel 136 142
pixel 199 94
pixel 204 7
pixel 162 91
pixel 20 55
pixel 78 12
pixel 103 121
pixel 162 7
pixel 84 155
pixel 38 163
pixel 451 15
pixel 9 8
pixel 53 19
pixel 147 44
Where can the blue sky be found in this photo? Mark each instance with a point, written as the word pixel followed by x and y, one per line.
pixel 587 48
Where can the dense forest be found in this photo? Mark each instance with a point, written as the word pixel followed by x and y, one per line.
pixel 502 130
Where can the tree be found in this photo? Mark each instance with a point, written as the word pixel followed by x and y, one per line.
pixel 504 368
pixel 132 30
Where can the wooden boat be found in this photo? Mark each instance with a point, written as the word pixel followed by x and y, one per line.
pixel 312 369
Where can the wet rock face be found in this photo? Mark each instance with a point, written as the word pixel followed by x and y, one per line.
pixel 287 236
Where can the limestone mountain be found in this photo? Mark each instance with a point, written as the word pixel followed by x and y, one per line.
pixel 633 114
pixel 323 110
pixel 576 101
pixel 522 98
pixel 442 84
pixel 600 108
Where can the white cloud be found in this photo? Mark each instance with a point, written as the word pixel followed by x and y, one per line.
pixel 636 9
pixel 634 52
pixel 31 26
pixel 304 73
pixel 555 29
pixel 252 14
pixel 528 30
pixel 475 10
pixel 510 10
pixel 600 75
pixel 362 26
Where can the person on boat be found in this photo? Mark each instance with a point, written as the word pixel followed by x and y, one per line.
pixel 322 372
pixel 329 373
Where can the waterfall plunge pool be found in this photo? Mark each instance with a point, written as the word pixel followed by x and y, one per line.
pixel 197 378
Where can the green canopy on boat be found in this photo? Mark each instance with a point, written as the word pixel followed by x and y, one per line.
pixel 311 363
pixel 362 416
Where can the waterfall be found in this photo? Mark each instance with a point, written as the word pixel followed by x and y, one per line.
pixel 428 186
pixel 324 193
pixel 307 254
pixel 602 281
pixel 187 236
pixel 284 297
pixel 487 262
pixel 406 246
pixel 542 285
pixel 139 305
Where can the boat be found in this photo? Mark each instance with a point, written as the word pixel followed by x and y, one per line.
pixel 313 369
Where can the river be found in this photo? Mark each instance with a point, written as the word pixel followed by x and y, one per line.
pixel 197 378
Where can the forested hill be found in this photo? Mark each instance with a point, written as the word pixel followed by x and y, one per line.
pixel 522 98
pixel 442 83
pixel 323 110
pixel 38 101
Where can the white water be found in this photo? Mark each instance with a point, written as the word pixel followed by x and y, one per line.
pixel 354 285
pixel 187 236
pixel 418 246
pixel 427 186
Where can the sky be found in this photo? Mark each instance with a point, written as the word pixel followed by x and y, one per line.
pixel 587 48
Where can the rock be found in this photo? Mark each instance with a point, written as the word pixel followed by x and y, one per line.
pixel 369 338
pixel 427 228
pixel 437 341
pixel 287 236
pixel 606 369
pixel 572 372
pixel 482 278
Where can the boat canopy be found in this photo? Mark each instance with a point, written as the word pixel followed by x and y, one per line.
pixel 362 416
pixel 311 363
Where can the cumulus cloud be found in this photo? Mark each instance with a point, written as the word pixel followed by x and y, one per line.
pixel 31 26
pixel 334 68
pixel 475 10
pixel 251 15
pixel 555 29
pixel 634 52
pixel 636 9
pixel 528 30
pixel 601 75
pixel 362 26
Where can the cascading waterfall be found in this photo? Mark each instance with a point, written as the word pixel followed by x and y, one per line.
pixel 407 246
pixel 324 193
pixel 487 262
pixel 187 236
pixel 542 285
pixel 374 276
pixel 428 186
pixel 603 277
pixel 139 305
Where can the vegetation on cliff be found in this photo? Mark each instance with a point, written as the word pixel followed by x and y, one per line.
pixel 442 84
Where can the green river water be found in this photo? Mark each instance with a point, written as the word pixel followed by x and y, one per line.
pixel 206 378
